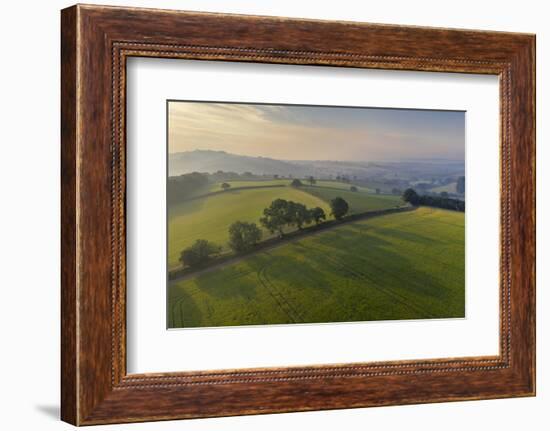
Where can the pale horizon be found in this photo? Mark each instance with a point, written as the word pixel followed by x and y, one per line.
pixel 314 133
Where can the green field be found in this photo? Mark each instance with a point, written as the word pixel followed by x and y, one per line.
pixel 400 266
pixel 359 201
pixel 216 187
pixel 340 186
pixel 209 217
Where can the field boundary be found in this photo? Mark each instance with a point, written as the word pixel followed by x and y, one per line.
pixel 183 273
pixel 219 192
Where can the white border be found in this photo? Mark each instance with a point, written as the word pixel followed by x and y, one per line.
pixel 152 348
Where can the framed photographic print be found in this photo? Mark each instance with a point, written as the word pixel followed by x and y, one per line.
pixel 268 215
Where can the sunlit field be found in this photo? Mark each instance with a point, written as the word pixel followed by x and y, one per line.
pixel 397 266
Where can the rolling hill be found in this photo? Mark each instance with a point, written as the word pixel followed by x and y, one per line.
pixel 399 266
pixel 212 161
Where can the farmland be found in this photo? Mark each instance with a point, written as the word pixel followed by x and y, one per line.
pixel 209 216
pixel 358 201
pixel 397 266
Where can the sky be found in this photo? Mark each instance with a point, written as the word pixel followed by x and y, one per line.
pixel 294 132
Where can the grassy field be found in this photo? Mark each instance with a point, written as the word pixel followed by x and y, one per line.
pixel 400 266
pixel 340 186
pixel 359 201
pixel 216 187
pixel 209 217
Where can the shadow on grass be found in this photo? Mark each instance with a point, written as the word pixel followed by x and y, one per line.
pixel 357 272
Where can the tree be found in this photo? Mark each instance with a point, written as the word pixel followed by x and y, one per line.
pixel 353 189
pixel 317 214
pixel 339 207
pixel 243 236
pixel 461 185
pixel 275 176
pixel 225 186
pixel 444 194
pixel 297 214
pixel 296 183
pixel 199 253
pixel 311 180
pixel 411 197
pixel 377 191
pixel 275 216
pixel 181 187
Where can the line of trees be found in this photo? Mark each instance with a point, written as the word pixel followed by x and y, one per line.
pixel 244 236
pixel 282 213
pixel 414 198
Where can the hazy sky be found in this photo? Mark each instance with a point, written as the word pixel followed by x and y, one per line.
pixel 316 133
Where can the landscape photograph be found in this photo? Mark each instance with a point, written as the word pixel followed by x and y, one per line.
pixel 303 214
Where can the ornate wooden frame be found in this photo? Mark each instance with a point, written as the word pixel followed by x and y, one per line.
pixel 96 41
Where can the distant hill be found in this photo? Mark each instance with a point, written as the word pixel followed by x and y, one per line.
pixel 208 161
pixel 212 161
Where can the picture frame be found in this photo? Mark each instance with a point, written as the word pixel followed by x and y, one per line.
pixel 96 42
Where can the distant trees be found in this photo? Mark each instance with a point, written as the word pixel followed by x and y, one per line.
pixel 311 180
pixel 296 183
pixel 199 253
pixel 461 185
pixel 442 201
pixel 342 178
pixel 339 207
pixel 183 186
pixel 317 214
pixel 444 194
pixel 220 176
pixel 243 236
pixel 353 189
pixel 377 191
pixel 225 186
pixel 411 197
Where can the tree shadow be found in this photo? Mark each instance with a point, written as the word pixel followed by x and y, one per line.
pixel 334 277
pixel 183 311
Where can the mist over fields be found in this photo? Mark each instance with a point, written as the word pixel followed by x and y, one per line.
pixel 422 175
